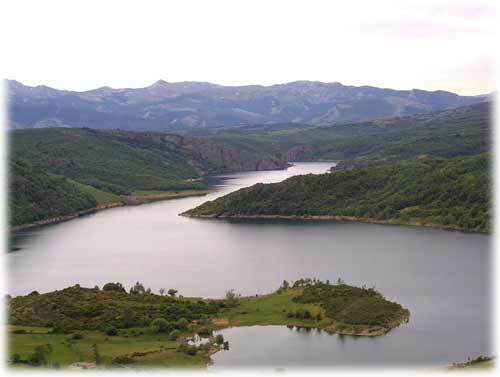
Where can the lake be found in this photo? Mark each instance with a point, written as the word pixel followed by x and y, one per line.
pixel 442 277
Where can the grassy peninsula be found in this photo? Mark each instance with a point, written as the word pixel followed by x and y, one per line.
pixel 110 327
pixel 446 193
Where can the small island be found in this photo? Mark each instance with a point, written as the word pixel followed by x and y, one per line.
pixel 87 328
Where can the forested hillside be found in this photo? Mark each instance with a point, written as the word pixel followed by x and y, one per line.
pixel 449 133
pixel 35 195
pixel 452 193
pixel 62 169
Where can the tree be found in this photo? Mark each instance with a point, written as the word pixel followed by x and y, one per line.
pixel 15 358
pixel 182 324
pixel 219 339
pixel 285 284
pixel 128 317
pixel 138 289
pixel 174 334
pixel 40 355
pixel 117 287
pixel 172 292
pixel 111 330
pixel 162 291
pixel 232 297
pixel 161 323
pixel 97 355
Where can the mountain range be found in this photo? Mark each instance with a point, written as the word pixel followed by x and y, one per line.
pixel 170 106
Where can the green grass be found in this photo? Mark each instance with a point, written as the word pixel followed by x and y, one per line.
pixel 159 351
pixel 102 197
pixel 272 309
pixel 144 320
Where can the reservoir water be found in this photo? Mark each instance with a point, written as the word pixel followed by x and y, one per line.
pixel 442 277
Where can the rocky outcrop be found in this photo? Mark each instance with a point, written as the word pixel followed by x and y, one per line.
pixel 212 157
pixel 298 151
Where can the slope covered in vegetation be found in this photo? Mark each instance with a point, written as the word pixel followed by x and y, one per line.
pixel 109 327
pixel 452 193
pixel 35 195
pixel 121 162
pixel 106 164
pixel 449 133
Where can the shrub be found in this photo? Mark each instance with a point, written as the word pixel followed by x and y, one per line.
pixel 117 287
pixel 58 330
pixel 161 323
pixel 232 298
pixel 111 331
pixel 204 332
pixel 154 329
pixel 15 358
pixel 219 339
pixel 182 324
pixel 174 334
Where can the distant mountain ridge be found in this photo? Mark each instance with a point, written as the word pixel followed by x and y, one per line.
pixel 167 106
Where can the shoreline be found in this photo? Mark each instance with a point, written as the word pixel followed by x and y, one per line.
pixel 127 201
pixel 61 219
pixel 336 218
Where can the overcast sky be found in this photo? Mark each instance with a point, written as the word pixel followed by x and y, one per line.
pixel 81 45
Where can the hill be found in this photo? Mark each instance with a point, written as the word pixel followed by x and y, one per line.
pixel 108 327
pixel 35 195
pixel 62 164
pixel 452 193
pixel 166 106
pixel 455 132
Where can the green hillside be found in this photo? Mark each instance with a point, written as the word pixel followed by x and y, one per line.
pixel 451 193
pixel 108 327
pixel 35 195
pixel 116 162
pixel 80 168
pixel 449 133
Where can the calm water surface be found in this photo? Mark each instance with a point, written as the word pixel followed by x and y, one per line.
pixel 442 277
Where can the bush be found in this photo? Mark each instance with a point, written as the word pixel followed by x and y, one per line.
pixel 15 358
pixel 154 329
pixel 219 339
pixel 117 287
pixel 174 334
pixel 58 330
pixel 161 323
pixel 187 349
pixel 204 332
pixel 182 324
pixel 111 331
pixel 76 336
